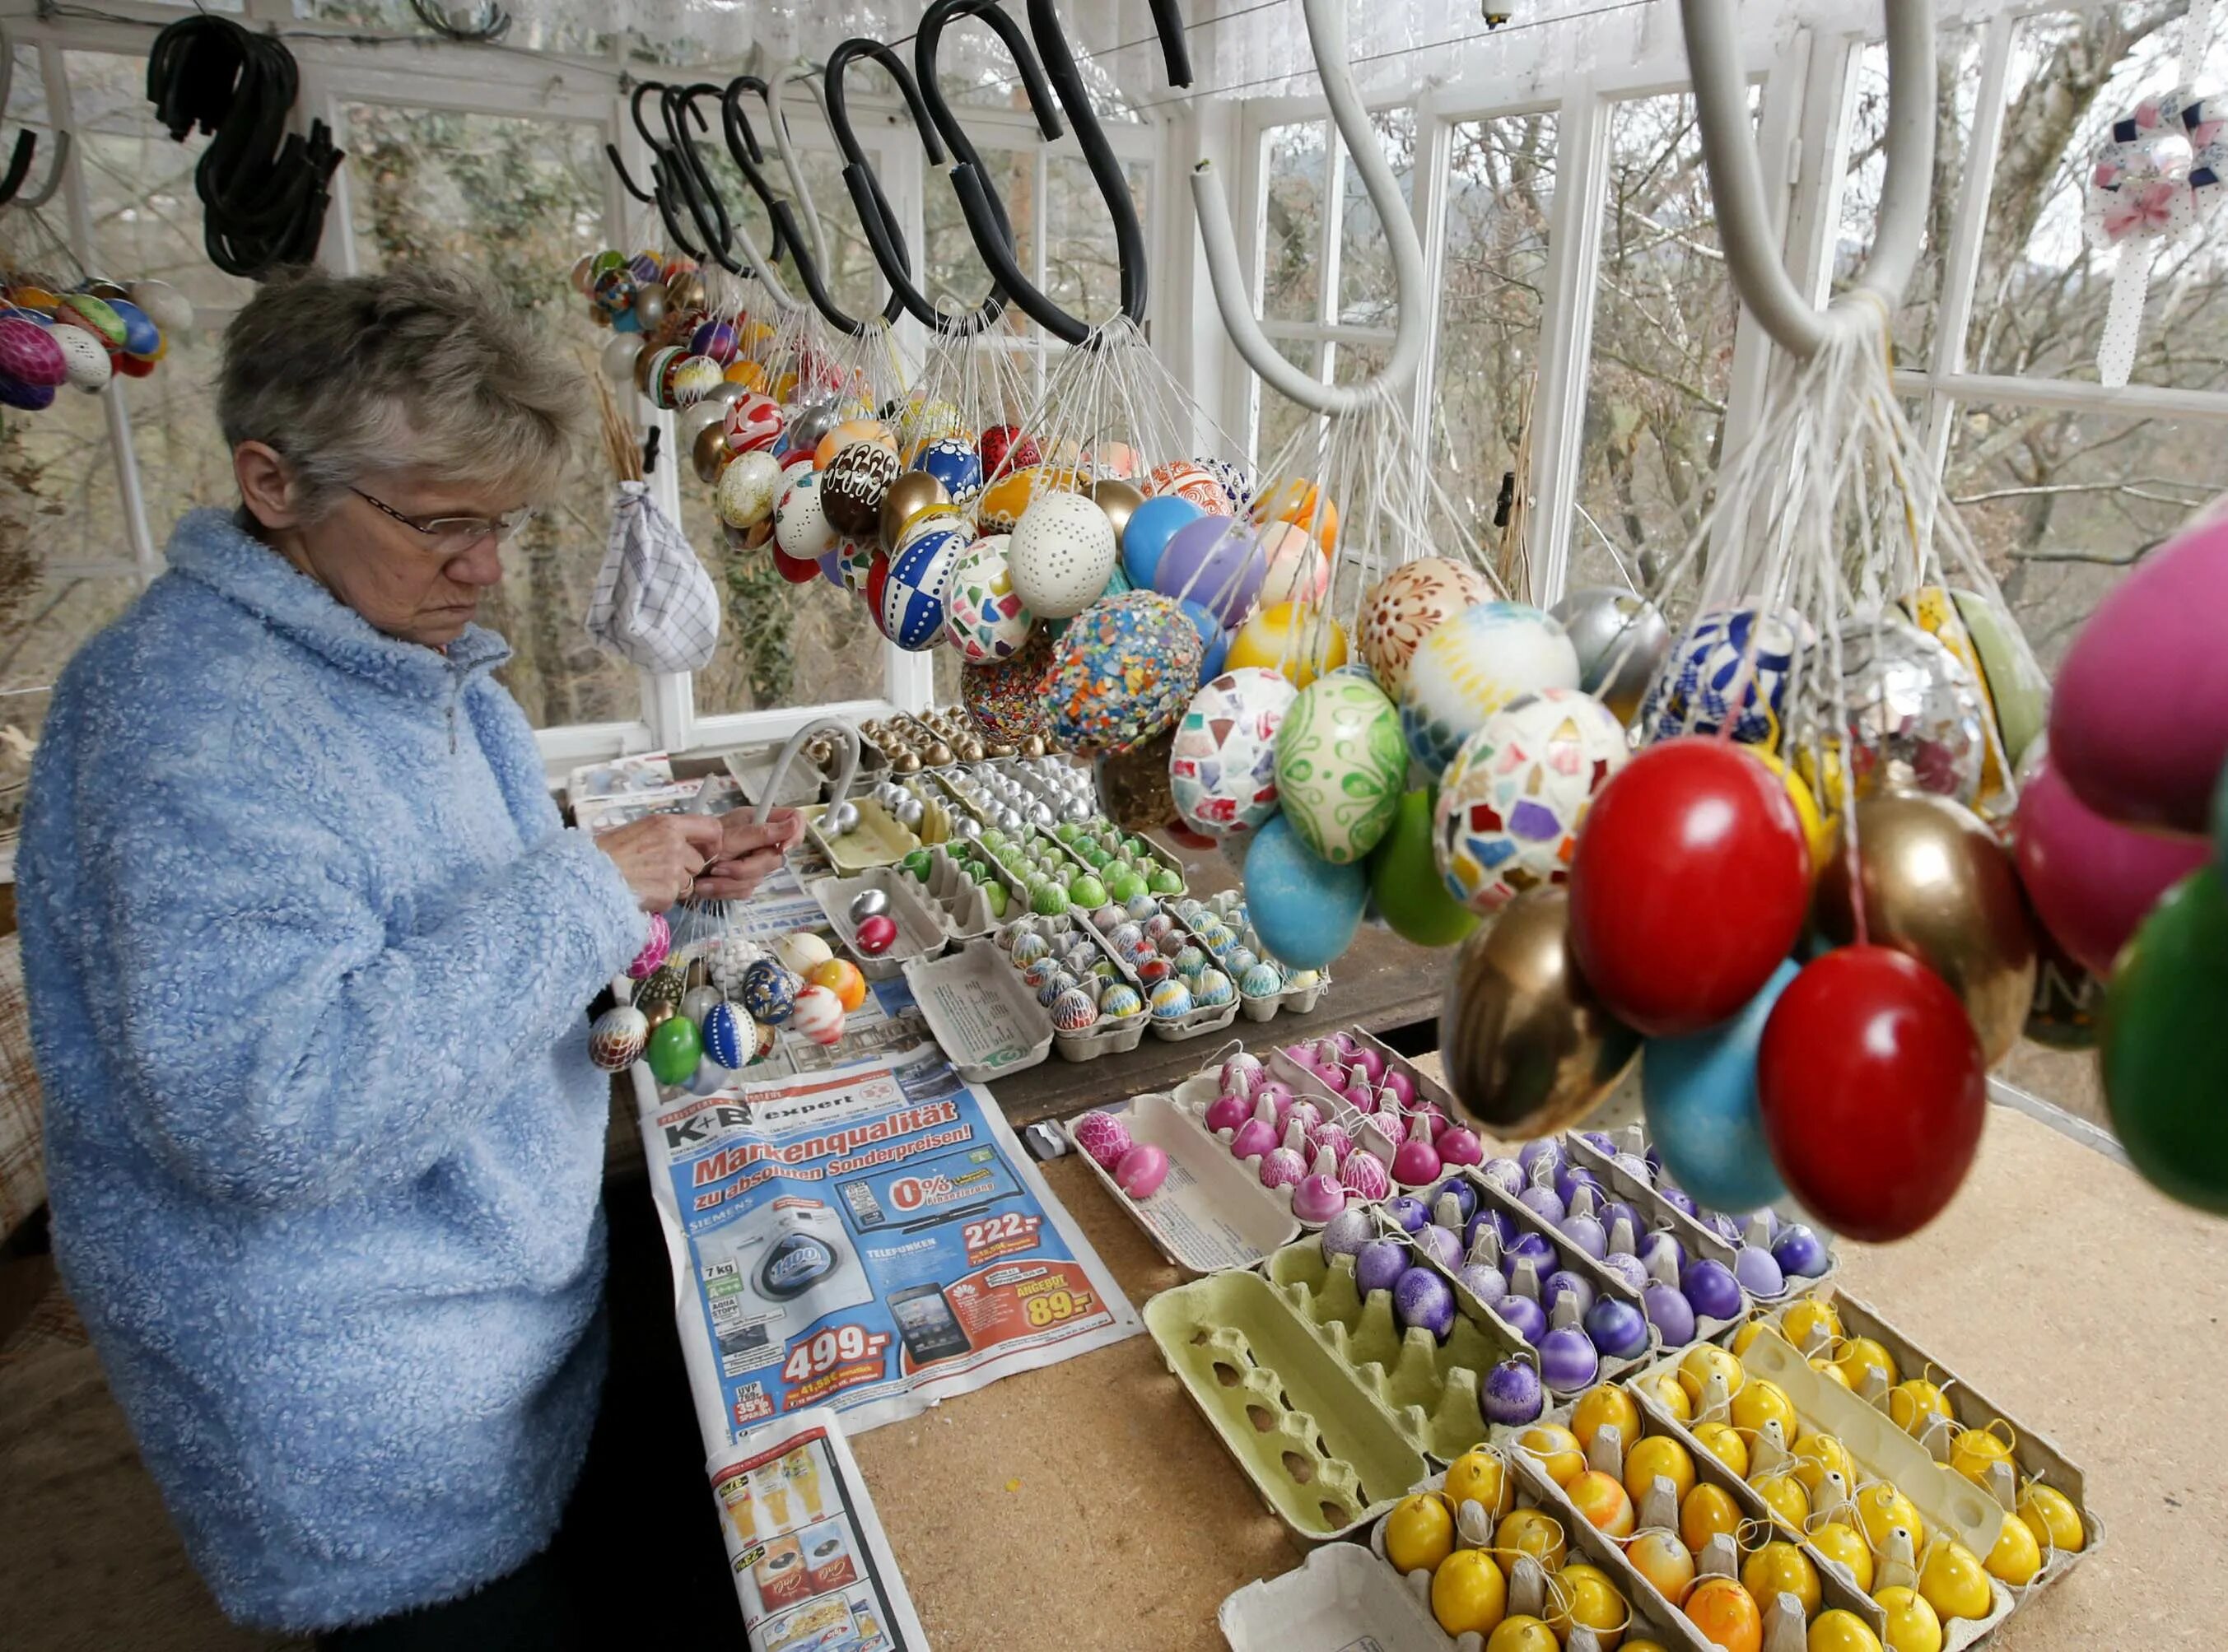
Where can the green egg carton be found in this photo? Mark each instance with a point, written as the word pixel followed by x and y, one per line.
pixel 1326 1460
pixel 1428 1388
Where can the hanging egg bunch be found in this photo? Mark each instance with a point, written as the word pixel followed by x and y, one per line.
pixel 82 336
pixel 701 1012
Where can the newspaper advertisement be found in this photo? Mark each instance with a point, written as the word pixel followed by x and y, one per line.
pixel 812 1567
pixel 871 1238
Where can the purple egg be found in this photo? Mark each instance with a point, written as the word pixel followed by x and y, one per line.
pixel 1600 1141
pixel 1628 1268
pixel 1533 1151
pixel 1676 1198
pixel 1615 1211
pixel 1567 1360
pixel 1571 1178
pixel 1441 1244
pixel 1485 1283
pixel 1464 1192
pixel 1565 1283
pixel 1525 1316
pixel 1215 561
pixel 1618 1328
pixel 1768 1216
pixel 1711 1287
pixel 1379 1263
pixel 1420 1297
pixel 1349 1232
pixel 1413 1215
pixel 1671 1314
pixel 1529 1248
pixel 1653 1160
pixel 1635 1166
pixel 1511 1396
pixel 1543 1204
pixel 1585 1233
pixel 1502 1228
pixel 1505 1174
pixel 1664 1245
pixel 1798 1252
pixel 1724 1227
pixel 1759 1275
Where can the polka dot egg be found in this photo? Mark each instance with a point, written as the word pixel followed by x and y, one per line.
pixel 1171 1001
pixel 985 616
pixel 913 596
pixel 1122 672
pixel 1119 999
pixel 1222 765
pixel 1072 1010
pixel 1261 981
pixel 800 526
pixel 1471 665
pixel 1511 803
pixel 1341 766
pixel 1062 554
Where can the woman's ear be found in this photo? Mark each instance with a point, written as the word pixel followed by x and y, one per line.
pixel 267 485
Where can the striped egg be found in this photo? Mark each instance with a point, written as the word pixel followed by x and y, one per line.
pixel 818 1014
pixel 1118 1000
pixel 1213 989
pixel 730 1037
pixel 1171 1001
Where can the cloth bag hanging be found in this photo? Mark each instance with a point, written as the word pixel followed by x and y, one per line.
pixel 655 605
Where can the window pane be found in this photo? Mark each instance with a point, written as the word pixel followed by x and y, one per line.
pixel 1294 160
pixel 1366 290
pixel 1500 187
pixel 1958 80
pixel 956 273
pixel 517 199
pixel 1083 275
pixel 1663 345
pixel 176 439
pixel 2043 290
pixel 853 279
pixel 1276 420
pixel 537 31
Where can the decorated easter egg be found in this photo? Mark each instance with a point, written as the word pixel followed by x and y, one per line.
pixel 168 308
pixel 1030 948
pixel 747 489
pixel 1072 1010
pixel 1405 607
pixel 953 462
pixel 86 361
pixel 818 1014
pixel 753 422
pixel 1293 569
pixel 1194 483
pixel 1009 700
pixel 851 432
pixel 97 316
pixel 1062 554
pixel 675 1049
pixel 1222 764
pixel 914 597
pixel 855 561
pixel 1511 803
pixel 1213 989
pixel 1119 999
pixel 660 993
pixel 1300 501
pixel 1910 702
pixel 618 1037
pixel 1170 999
pixel 1261 981
pixel 768 992
pixel 694 378
pixel 1122 672
pixel 1705 684
pixel 1339 767
pixel 1470 665
pixel 800 952
pixel 1299 639
pixel 801 528
pixel 1000 505
pixel 1145 536
pixel 852 485
pixel 730 1037
pixel 654 950
pixel 29 353
pixel 983 615
pixel 1003 448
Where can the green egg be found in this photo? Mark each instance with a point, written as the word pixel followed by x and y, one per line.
pixel 1086 892
pixel 1167 881
pixel 919 863
pixel 1067 832
pixel 674 1050
pixel 1048 899
pixel 995 894
pixel 1125 886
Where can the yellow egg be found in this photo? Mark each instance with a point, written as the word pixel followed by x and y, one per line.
pixel 1468 1594
pixel 1659 1454
pixel 1912 1625
pixel 1289 637
pixel 1521 1634
pixel 1818 1454
pixel 1719 1440
pixel 1880 1509
pixel 1817 827
pixel 1779 1568
pixel 1812 1313
pixel 1703 1359
pixel 1602 1405
pixel 1762 1402
pixel 1479 1477
pixel 1838 1541
pixel 2017 1556
pixel 1591 1600
pixel 1841 1631
pixel 1671 1394
pixel 2050 1512
pixel 1914 1399
pixel 1747 1334
pixel 1860 1354
pixel 1603 1502
pixel 1419 1533
pixel 1954 1582
pixel 1784 1495
pixel 1528 1531
pixel 1662 1558
pixel 1643 1646
pixel 1707 1512
pixel 1826 1368
pixel 1975 1452
pixel 1555 1450
pixel 1726 1614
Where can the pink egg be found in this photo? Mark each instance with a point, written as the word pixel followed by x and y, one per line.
pixel 1387 1099
pixel 1103 1136
pixel 1416 1162
pixel 1332 1139
pixel 1318 1198
pixel 1253 1137
pixel 1401 1085
pixel 1327 1054
pixel 1283 1168
pixel 1303 1112
pixel 1345 1043
pixel 1276 1090
pixel 1242 1074
pixel 1358 1093
pixel 1364 1175
pixel 1370 1062
pixel 1142 1170
pixel 1457 1145
pixel 1226 1112
pixel 654 950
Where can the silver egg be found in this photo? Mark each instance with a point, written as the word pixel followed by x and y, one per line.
pixel 843 819
pixel 812 422
pixel 965 825
pixel 867 903
pixel 1076 811
pixel 911 812
pixel 1040 814
pixel 1621 642
pixel 1010 819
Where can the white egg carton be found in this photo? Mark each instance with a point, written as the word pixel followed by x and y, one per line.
pixel 1569 1256
pixel 960 905
pixel 1342 1600
pixel 878 840
pixel 1109 1034
pixel 921 933
pixel 1380 1133
pixel 1211 1213
pixel 988 1023
pixel 1192 1098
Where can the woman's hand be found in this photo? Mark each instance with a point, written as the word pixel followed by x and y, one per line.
pixel 661 854
pixel 748 853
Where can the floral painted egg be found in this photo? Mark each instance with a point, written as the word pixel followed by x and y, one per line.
pixel 1001 504
pixel 913 596
pixel 747 490
pixel 730 1037
pixel 852 486
pixel 1470 665
pixel 655 950
pixel 818 1014
pixel 1705 684
pixel 1213 989
pixel 1072 1010
pixel 983 615
pixel 1511 803
pixel 1009 700
pixel 1030 948
pixel 1122 672
pixel 1236 482
pixel 801 528
pixel 619 1037
pixel 1406 606
pixel 953 462
pixel 1171 1001
pixel 1063 552
pixel 1261 981
pixel 1119 999
pixel 753 422
pixel 769 992
pixel 1222 764
pixel 1187 480
pixel 1003 448
pixel 1340 766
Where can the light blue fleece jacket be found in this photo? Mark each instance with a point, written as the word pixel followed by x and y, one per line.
pixel 307 953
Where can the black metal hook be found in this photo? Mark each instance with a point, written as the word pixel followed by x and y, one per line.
pixel 807 266
pixel 883 238
pixel 698 191
pixel 657 195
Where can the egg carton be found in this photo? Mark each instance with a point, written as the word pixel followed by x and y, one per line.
pixel 1529 1590
pixel 2038 1457
pixel 1193 1097
pixel 958 899
pixel 878 839
pixel 1210 1214
pixel 1567 1256
pixel 987 1023
pixel 1339 1600
pixel 921 933
pixel 1654 1214
pixel 1109 1034
pixel 1324 1458
pixel 1384 1132
pixel 1428 1388
pixel 1298 1000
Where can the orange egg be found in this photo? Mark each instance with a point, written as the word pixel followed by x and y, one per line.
pixel 1708 1512
pixel 746 372
pixel 1303 504
pixel 1603 1502
pixel 1662 1558
pixel 841 976
pixel 1726 1614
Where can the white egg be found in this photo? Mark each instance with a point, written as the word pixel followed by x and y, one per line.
pixel 1061 555
pixel 800 526
pixel 85 357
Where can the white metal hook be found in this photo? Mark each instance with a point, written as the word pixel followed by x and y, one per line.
pixel 777 90
pixel 1326 23
pixel 59 140
pixel 1737 179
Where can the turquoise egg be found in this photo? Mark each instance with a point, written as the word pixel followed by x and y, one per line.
pixel 1261 981
pixel 1305 909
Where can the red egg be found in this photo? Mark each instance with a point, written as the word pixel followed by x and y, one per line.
pixel 873 935
pixel 1689 884
pixel 796 570
pixel 1874 1090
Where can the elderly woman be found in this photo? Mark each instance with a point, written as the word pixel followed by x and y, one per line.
pixel 308 953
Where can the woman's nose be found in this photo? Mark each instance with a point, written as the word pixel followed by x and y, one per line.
pixel 481 565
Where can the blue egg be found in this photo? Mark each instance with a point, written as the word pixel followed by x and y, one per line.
pixel 1699 1095
pixel 1151 526
pixel 1304 909
pixel 723 1036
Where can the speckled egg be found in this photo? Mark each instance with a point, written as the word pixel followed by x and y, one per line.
pixel 1072 1010
pixel 1261 981
pixel 852 486
pixel 1511 803
pixel 1122 672
pixel 801 528
pixel 1697 692
pixel 1471 665
pixel 748 488
pixel 1062 555
pixel 1340 766
pixel 1213 989
pixel 984 617
pixel 913 594
pixel 1171 1001
pixel 953 462
pixel 769 992
pixel 1029 948
pixel 1222 763
pixel 1119 999
pixel 1009 700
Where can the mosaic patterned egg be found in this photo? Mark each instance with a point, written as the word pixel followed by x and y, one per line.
pixel 1171 1001
pixel 1406 606
pixel 747 489
pixel 1072 1010
pixel 1213 989
pixel 1696 694
pixel 1912 703
pixel 1062 554
pixel 1119 999
pixel 1341 766
pixel 855 561
pixel 801 528
pixel 1123 672
pixel 953 462
pixel 985 616
pixel 1187 480
pixel 1470 665
pixel 1511 803
pixel 818 1014
pixel 729 1036
pixel 619 1037
pixel 1261 981
pixel 1029 948
pixel 769 992
pixel 1222 764
pixel 913 596
pixel 1009 700
pixel 852 486
pixel 753 422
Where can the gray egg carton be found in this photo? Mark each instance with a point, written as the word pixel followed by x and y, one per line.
pixel 921 931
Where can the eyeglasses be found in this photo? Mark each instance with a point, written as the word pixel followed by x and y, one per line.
pixel 454 535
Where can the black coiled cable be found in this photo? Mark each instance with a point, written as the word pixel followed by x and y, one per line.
pixel 263 189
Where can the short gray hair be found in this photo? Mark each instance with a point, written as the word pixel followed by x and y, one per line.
pixel 349 375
